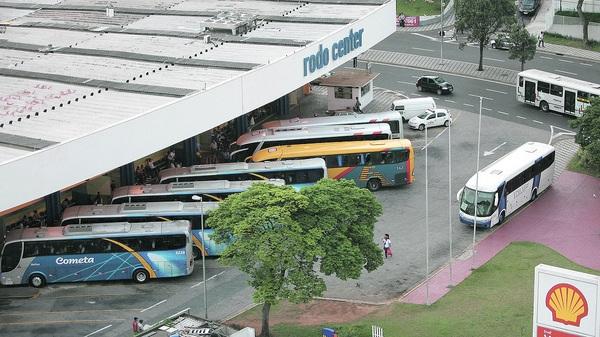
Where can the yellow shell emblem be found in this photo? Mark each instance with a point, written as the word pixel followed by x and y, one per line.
pixel 567 304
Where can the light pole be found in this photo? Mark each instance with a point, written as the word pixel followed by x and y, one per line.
pixel 426 220
pixel 450 201
pixel 442 32
pixel 199 198
pixel 476 184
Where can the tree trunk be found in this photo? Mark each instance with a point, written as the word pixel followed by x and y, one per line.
pixel 480 56
pixel 265 320
pixel 584 22
pixel 522 64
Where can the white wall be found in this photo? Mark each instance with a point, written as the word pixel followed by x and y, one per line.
pixel 56 167
pixel 591 6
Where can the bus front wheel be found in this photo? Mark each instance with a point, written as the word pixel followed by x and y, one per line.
pixel 544 106
pixel 534 195
pixel 37 281
pixel 197 253
pixel 501 218
pixel 140 276
pixel 374 184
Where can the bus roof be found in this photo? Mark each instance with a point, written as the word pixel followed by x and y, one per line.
pixel 333 148
pixel 377 117
pixel 312 132
pixel 589 87
pixel 224 168
pixel 163 208
pixel 192 187
pixel 503 169
pixel 98 230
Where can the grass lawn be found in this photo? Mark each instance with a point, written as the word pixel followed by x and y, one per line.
pixel 418 7
pixel 566 41
pixel 575 165
pixel 496 300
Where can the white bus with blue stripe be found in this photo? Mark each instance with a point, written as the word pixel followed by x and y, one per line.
pixel 97 252
pixel 507 184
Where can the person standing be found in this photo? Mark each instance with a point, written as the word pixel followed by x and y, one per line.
pixel 541 39
pixel 357 106
pixel 135 325
pixel 387 246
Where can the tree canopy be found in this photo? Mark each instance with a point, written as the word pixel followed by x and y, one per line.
pixel 482 18
pixel 282 238
pixel 588 135
pixel 524 45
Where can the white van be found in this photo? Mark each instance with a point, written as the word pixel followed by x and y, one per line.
pixel 412 107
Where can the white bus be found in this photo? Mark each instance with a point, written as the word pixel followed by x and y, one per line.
pixel 555 92
pixel 251 142
pixel 507 184
pixel 298 173
pixel 216 190
pixel 393 118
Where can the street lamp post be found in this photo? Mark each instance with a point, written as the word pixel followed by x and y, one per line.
pixel 450 202
pixel 476 184
pixel 426 220
pixel 199 198
pixel 442 31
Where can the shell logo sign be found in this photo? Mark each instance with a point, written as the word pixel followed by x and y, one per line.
pixel 567 304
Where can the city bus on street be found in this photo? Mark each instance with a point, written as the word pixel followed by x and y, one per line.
pixel 152 212
pixel 551 92
pixel 97 252
pixel 215 190
pixel 247 144
pixel 393 118
pixel 298 173
pixel 371 164
pixel 507 184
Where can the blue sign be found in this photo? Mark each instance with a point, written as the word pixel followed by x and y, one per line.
pixel 337 50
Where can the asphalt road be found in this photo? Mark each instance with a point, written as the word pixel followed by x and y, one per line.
pixel 106 309
pixel 428 44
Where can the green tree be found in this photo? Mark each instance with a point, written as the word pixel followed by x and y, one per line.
pixel 282 238
pixel 588 135
pixel 482 18
pixel 524 45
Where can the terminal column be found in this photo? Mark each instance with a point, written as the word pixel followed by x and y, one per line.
pixel 190 146
pixel 127 173
pixel 53 209
pixel 241 125
pixel 283 105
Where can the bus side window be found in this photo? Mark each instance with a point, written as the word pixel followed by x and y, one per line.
pixel 520 81
pixel 583 96
pixel 556 90
pixel 544 87
pixel 332 161
pixel 31 249
pixel 315 175
pixel 11 256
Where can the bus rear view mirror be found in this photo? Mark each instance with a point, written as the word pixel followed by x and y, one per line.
pixel 496 200
pixel 459 195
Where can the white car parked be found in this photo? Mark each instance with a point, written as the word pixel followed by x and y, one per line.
pixel 430 118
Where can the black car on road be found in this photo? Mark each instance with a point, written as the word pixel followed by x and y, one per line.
pixel 435 84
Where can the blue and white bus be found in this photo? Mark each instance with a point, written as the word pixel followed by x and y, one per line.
pixel 152 211
pixel 98 252
pixel 507 184
pixel 216 190
pixel 298 173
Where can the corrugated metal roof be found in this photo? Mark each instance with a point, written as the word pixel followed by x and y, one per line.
pixel 250 6
pixel 292 30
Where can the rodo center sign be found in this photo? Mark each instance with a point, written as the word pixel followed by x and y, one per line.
pixel 337 50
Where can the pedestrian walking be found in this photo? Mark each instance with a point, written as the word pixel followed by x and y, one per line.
pixel 541 39
pixel 135 325
pixel 357 106
pixel 387 246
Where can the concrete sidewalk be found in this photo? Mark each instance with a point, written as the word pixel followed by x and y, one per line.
pixel 565 218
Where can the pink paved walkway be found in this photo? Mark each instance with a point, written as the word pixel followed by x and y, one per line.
pixel 565 218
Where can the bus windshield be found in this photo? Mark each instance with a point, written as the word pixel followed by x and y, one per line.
pixel 485 202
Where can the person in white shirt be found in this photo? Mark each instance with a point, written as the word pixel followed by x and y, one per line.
pixel 387 246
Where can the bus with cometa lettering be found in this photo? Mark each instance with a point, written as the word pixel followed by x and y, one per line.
pixel 97 252
pixel 215 190
pixel 371 164
pixel 507 184
pixel 298 173
pixel 195 212
pixel 251 142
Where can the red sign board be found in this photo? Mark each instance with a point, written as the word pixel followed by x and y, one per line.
pixel 409 21
pixel 547 332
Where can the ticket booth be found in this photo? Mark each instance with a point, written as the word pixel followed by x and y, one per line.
pixel 345 86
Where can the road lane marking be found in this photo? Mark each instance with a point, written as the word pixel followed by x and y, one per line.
pixel 415 76
pixel 521 117
pixel 487 109
pixel 437 99
pixel 415 94
pixel 498 91
pixel 491 59
pixel 535 121
pixel 491 99
pixel 586 64
pixel 439 134
pixel 425 36
pixel 64 321
pixel 566 61
pixel 449 100
pixel 95 332
pixel 491 152
pixel 423 49
pixel 466 104
pixel 547 58
pixel 502 112
pixel 566 72
pixel 154 306
pixel 208 279
pixel 403 82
